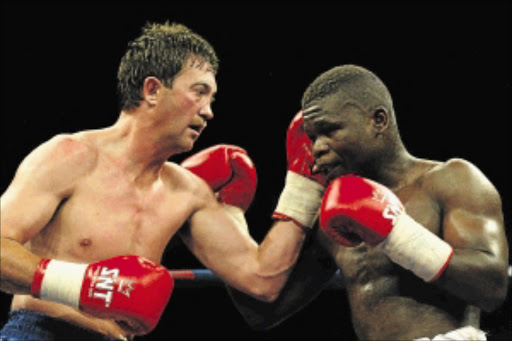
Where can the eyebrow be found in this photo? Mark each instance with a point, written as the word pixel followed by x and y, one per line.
pixel 206 85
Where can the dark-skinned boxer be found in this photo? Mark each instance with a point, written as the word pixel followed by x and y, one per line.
pixel 420 243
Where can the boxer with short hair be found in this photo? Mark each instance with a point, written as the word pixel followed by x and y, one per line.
pixel 88 215
pixel 421 244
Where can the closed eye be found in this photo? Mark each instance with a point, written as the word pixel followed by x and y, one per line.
pixel 201 88
pixel 326 128
pixel 201 91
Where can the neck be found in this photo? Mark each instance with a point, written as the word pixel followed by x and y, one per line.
pixel 137 147
pixel 391 166
pixel 393 174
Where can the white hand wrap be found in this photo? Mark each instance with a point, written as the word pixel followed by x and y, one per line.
pixel 62 282
pixel 417 249
pixel 300 199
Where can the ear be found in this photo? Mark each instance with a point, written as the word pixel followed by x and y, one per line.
pixel 380 120
pixel 150 90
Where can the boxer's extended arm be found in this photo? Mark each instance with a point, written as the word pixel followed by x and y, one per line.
pixel 260 270
pixel 44 178
pixel 313 270
pixel 217 233
pixel 473 225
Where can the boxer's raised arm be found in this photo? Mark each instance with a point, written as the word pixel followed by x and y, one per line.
pixel 467 257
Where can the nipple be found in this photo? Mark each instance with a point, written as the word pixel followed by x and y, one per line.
pixel 85 242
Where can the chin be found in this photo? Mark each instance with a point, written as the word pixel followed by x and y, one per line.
pixel 188 148
pixel 182 148
pixel 187 145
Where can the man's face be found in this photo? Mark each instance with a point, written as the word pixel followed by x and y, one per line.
pixel 341 135
pixel 186 106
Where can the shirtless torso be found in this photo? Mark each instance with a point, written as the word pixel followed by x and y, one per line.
pixel 378 290
pixel 388 302
pixel 107 213
pixel 97 194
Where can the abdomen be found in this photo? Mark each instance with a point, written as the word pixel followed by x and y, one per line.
pixel 389 302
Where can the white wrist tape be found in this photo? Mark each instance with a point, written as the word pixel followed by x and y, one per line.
pixel 417 249
pixel 300 199
pixel 62 282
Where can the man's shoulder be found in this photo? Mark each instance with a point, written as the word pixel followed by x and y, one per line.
pixel 56 165
pixel 73 143
pixel 452 171
pixel 78 149
pixel 458 177
pixel 64 150
pixel 182 179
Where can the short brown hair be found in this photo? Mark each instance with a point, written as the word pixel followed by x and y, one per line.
pixel 160 51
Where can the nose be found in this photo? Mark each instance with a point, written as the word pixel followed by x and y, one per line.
pixel 206 112
pixel 320 148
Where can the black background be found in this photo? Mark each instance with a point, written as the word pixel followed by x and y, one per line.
pixel 447 66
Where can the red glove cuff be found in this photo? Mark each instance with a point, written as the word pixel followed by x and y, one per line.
pixel 283 217
pixel 35 288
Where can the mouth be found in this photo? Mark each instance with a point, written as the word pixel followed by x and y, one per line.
pixel 197 128
pixel 329 170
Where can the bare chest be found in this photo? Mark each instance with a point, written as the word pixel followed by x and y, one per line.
pixel 379 289
pixel 107 216
pixel 363 263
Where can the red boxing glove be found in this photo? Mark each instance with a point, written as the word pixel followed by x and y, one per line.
pixel 356 210
pixel 229 171
pixel 124 288
pixel 299 151
pixel 302 194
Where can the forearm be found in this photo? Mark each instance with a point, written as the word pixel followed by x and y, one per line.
pixel 280 248
pixel 222 243
pixel 314 268
pixel 278 253
pixel 18 266
pixel 477 277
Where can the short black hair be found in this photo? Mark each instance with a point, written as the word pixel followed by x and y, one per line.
pixel 161 51
pixel 353 82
